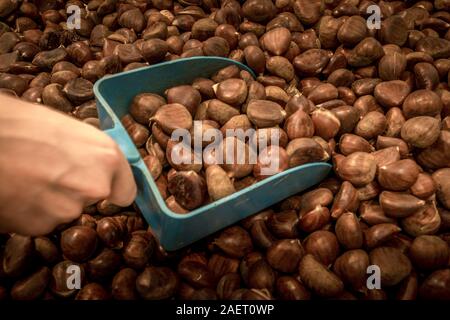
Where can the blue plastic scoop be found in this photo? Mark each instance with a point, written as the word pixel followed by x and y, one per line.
pixel 114 95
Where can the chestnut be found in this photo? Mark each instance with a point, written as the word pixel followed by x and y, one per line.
pixel 154 50
pixel 276 94
pixel 123 285
pixel 384 142
pixel 144 106
pixel 107 208
pixel 112 230
pixel 371 125
pixel 409 288
pixel 284 224
pixel 319 196
pixel 238 157
pixel 258 11
pixel 17 256
pixel 78 243
pixel 394 265
pixel 375 102
pixel 350 143
pixel 204 294
pixel 323 245
pixel 348 231
pixel 261 276
pixel 277 40
pixel 104 265
pixel 425 220
pixel 346 199
pixel 234 241
pixel 429 252
pixel 386 156
pixel 46 249
pixel 138 133
pixel 261 235
pixel 180 156
pixel 359 168
pixel 227 285
pixel 365 52
pixel 157 283
pixel 323 93
pixel 53 96
pixel 281 67
pixel 299 125
pixel 203 29
pixel 318 278
pixel 256 294
pixel 351 267
pixel 139 249
pixel 173 116
pixel 247 261
pixel 60 275
pixel 218 183
pixel 314 219
pixel 188 188
pixel 289 288
pixel 185 95
pixel 305 150
pixel 380 233
pixel 326 123
pixel 265 114
pixel 195 273
pixel 220 111
pixel 220 265
pixel 93 291
pixel 255 58
pixel 32 287
pixel 399 175
pixel 173 205
pixel 434 157
pixel 291 203
pixel 422 103
pixel 398 204
pixel 421 131
pixel 391 94
pixel 424 187
pixel 440 178
pixel 436 286
pixel 248 222
pixel 284 255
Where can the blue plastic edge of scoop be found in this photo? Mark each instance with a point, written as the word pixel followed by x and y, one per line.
pixel 114 94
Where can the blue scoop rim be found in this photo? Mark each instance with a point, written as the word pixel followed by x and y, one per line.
pixel 135 160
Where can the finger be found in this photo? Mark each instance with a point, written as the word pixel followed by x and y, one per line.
pixel 90 202
pixel 123 188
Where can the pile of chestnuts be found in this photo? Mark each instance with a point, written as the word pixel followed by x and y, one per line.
pixel 372 99
pixel 251 144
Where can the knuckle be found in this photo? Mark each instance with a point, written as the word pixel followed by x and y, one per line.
pixel 112 156
pixel 98 191
pixel 109 142
pixel 39 229
pixel 70 214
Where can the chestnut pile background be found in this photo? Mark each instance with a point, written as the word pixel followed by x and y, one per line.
pixel 380 100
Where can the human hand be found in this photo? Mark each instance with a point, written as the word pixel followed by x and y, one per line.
pixel 51 166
